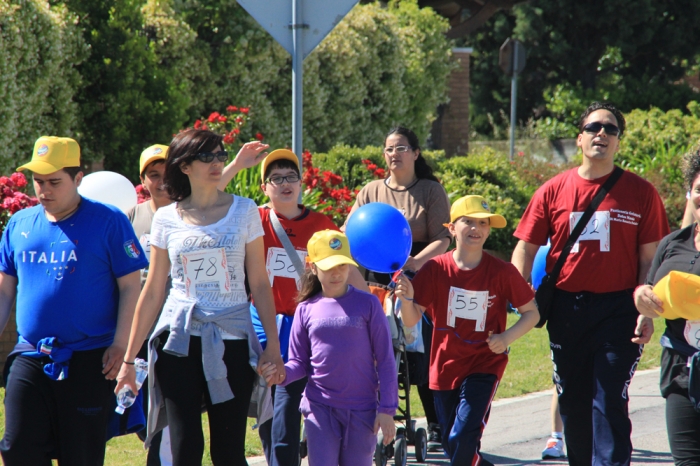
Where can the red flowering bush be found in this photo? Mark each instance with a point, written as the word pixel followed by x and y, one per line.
pixel 378 172
pixel 13 196
pixel 142 194
pixel 333 197
pixel 231 126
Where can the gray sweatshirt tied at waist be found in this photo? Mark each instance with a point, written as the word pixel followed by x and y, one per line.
pixel 180 316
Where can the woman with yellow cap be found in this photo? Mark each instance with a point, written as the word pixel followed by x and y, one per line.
pixel 675 274
pixel 340 340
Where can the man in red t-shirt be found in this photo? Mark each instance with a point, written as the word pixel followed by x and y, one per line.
pixel 595 331
pixel 465 293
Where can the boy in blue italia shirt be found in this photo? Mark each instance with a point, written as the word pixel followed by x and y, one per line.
pixel 73 266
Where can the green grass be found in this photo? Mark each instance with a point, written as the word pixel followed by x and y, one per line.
pixel 128 449
pixel 530 367
pixel 529 370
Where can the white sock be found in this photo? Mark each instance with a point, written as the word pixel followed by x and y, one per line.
pixel 558 435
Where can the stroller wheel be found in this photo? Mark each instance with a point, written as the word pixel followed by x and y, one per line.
pixel 380 452
pixel 421 445
pixel 400 451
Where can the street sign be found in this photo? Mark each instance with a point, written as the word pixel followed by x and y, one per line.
pixel 512 55
pixel 299 26
pixel 319 19
pixel 511 59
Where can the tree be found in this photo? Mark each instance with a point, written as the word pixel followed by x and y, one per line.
pixel 129 100
pixel 630 51
pixel 36 84
pixel 379 67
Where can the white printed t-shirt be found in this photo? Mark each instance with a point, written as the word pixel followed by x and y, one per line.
pixel 240 226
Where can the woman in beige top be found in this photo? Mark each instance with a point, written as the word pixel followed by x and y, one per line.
pixel 412 188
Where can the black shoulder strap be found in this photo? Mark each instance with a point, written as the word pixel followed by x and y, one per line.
pixel 583 221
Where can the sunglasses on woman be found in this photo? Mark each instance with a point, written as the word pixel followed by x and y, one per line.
pixel 596 126
pixel 208 157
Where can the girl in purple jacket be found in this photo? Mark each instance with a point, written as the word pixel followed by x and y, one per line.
pixel 340 339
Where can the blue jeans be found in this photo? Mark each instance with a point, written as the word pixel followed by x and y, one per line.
pixel 463 413
pixel 280 435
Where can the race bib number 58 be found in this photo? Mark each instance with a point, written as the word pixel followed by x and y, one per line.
pixel 466 304
pixel 278 264
pixel 209 265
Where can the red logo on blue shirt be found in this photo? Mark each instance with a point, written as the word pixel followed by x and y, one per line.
pixel 131 249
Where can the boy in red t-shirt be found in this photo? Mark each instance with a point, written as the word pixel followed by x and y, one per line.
pixel 465 293
pixel 281 183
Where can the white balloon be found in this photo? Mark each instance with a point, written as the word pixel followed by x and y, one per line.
pixel 109 188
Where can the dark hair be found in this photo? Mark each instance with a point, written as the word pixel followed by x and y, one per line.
pixel 281 164
pixel 603 106
pixel 152 164
pixel 183 148
pixel 422 169
pixel 310 286
pixel 72 171
pixel 691 167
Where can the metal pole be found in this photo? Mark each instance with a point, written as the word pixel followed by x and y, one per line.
pixel 513 99
pixel 297 78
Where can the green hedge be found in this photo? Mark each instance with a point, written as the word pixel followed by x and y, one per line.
pixel 378 67
pixel 506 185
pixel 39 44
pixel 120 75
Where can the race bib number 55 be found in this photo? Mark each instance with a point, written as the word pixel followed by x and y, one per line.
pixel 209 265
pixel 466 304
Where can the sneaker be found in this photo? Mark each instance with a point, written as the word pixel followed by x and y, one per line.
pixel 434 438
pixel 554 449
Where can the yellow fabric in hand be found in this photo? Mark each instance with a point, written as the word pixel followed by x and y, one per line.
pixel 680 294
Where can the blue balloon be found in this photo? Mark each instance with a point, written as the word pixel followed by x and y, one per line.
pixel 538 266
pixel 380 237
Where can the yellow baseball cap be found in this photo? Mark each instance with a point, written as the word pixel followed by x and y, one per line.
pixel 52 154
pixel 277 154
pixel 680 294
pixel 477 207
pixel 151 154
pixel 328 248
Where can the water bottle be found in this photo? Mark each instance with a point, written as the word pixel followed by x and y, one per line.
pixel 126 396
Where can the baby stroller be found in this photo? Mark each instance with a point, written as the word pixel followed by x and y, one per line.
pixel 408 434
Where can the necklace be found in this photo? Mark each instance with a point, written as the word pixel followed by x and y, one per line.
pixel 388 180
pixel 56 219
pixel 193 212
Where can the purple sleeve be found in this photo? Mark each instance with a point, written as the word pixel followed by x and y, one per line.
pixel 382 348
pixel 299 362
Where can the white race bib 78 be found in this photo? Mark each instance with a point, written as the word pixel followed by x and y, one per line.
pixel 208 265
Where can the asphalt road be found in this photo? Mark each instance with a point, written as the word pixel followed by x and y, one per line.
pixel 518 428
